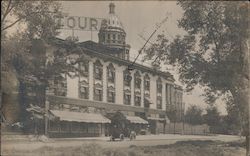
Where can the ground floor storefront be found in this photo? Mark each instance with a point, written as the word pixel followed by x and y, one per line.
pixel 76 129
pixel 83 118
pixel 77 124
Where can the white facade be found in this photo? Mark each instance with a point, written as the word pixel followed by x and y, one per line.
pixel 73 86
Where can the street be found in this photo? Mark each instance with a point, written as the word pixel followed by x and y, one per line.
pixel 143 140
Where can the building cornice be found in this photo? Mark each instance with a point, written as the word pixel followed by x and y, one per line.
pixel 124 62
pixel 107 57
pixel 99 104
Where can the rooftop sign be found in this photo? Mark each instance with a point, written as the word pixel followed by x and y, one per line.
pixel 79 23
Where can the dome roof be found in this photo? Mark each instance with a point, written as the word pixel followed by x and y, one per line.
pixel 112 22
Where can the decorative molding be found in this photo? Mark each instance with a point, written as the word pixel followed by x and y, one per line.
pixel 98 63
pixel 146 94
pixel 83 83
pixel 138 92
pixel 127 91
pixel 111 88
pixel 98 86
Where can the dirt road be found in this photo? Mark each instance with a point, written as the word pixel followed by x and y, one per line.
pixel 148 140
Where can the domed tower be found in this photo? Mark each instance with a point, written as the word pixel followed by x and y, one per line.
pixel 112 34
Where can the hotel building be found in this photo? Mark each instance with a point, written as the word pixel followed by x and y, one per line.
pixel 80 105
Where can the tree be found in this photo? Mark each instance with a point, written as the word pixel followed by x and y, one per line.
pixel 193 115
pixel 33 14
pixel 25 52
pixel 213 119
pixel 172 115
pixel 33 19
pixel 213 53
pixel 232 118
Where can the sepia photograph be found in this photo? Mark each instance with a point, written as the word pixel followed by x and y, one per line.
pixel 125 78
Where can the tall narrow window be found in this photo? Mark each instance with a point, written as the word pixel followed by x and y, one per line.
pixel 98 70
pixel 147 82
pixel 137 100
pixel 60 83
pixel 159 102
pixel 137 80
pixel 159 85
pixel 84 68
pixel 98 94
pixel 127 99
pixel 111 73
pixel 159 94
pixel 111 96
pixel 127 78
pixel 83 90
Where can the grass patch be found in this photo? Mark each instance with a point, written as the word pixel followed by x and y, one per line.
pixel 181 148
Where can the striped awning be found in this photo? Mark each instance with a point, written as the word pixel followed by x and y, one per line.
pixel 80 117
pixel 136 119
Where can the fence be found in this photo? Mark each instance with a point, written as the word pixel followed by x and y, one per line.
pixel 179 128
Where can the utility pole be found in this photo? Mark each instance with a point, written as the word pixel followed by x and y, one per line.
pixel 183 117
pixel 130 67
pixel 46 116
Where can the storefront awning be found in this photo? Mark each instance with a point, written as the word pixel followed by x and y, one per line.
pixel 80 117
pixel 136 119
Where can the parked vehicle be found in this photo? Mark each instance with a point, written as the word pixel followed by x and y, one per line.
pixel 116 132
pixel 121 133
pixel 120 128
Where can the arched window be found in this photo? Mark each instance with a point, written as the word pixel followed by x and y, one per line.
pixel 111 73
pixel 159 85
pixel 84 68
pixel 137 80
pixel 159 102
pixel 60 83
pixel 98 70
pixel 127 78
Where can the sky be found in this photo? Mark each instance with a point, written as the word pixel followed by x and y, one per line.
pixel 139 18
